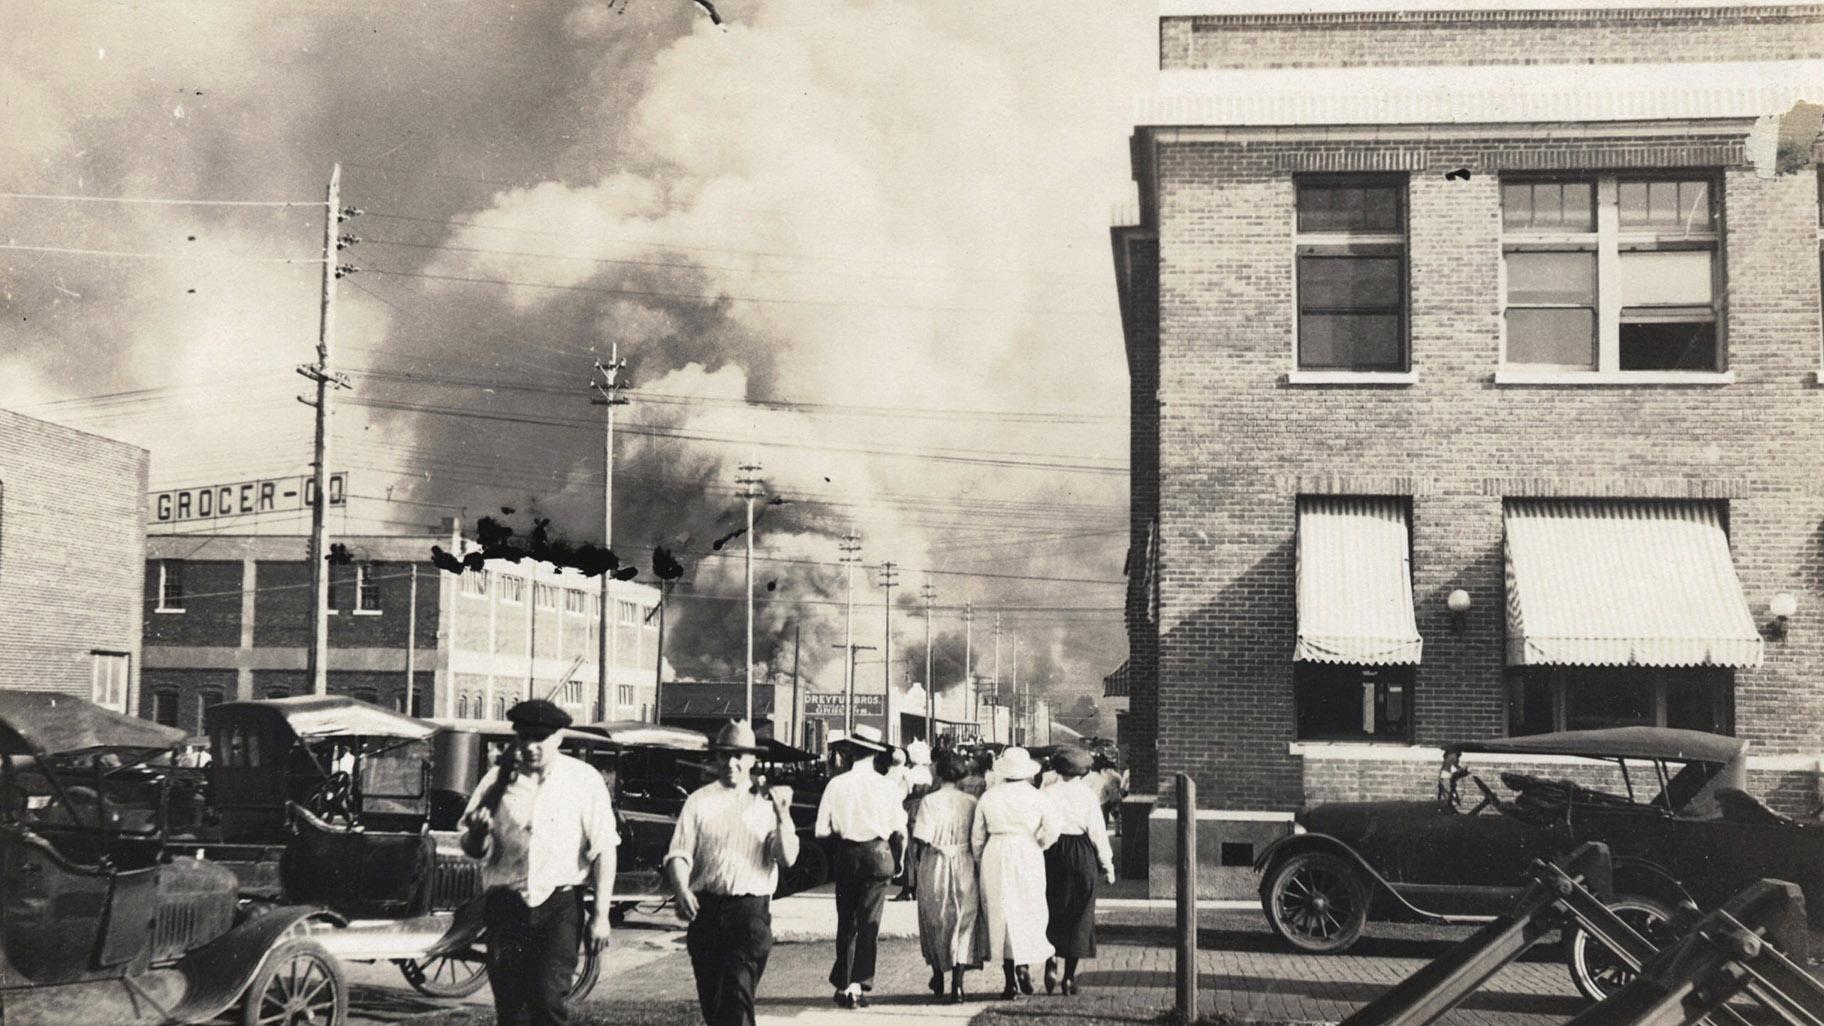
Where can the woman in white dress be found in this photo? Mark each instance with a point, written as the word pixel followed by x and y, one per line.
pixel 1013 827
pixel 949 902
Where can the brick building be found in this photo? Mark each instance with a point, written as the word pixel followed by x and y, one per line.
pixel 228 617
pixel 1475 357
pixel 72 552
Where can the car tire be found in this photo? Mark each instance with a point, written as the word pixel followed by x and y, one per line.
pixel 588 970
pixel 1315 901
pixel 1595 970
pixel 299 985
pixel 451 976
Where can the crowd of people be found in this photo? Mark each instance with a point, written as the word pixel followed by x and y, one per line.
pixel 1001 853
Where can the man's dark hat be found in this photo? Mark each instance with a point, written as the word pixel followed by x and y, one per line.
pixel 538 717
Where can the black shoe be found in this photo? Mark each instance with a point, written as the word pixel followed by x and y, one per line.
pixel 1025 977
pixel 844 999
pixel 861 1001
pixel 1012 993
pixel 903 896
pixel 956 994
pixel 1069 986
pixel 937 982
pixel 1051 975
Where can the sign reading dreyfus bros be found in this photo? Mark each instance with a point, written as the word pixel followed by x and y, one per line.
pixel 824 704
pixel 244 498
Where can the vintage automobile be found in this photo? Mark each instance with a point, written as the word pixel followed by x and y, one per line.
pixel 1668 803
pixel 101 922
pixel 328 800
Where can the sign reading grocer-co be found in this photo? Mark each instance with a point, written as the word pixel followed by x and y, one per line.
pixel 244 498
pixel 822 704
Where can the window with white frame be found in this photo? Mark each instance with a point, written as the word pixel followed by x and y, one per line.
pixel 170 586
pixel 164 708
pixel 512 589
pixel 573 692
pixel 623 695
pixel 108 680
pixel 545 595
pixel 574 601
pixel 1612 274
pixel 1351 267
pixel 629 613
pixel 474 583
pixel 367 590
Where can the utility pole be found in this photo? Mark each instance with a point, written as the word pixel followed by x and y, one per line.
pixel 888 577
pixel 930 594
pixel 411 643
pixel 608 395
pixel 997 664
pixel 1018 723
pixel 750 490
pixel 317 659
pixel 791 721
pixel 849 714
pixel 851 558
pixel 658 660
pixel 975 704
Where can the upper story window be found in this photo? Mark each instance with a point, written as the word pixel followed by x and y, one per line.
pixel 170 586
pixel 367 590
pixel 574 601
pixel 545 595
pixel 512 589
pixel 474 582
pixel 1609 274
pixel 108 680
pixel 1351 249
pixel 629 613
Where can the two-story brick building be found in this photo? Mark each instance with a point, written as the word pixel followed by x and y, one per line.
pixel 1475 356
pixel 228 617
pixel 72 550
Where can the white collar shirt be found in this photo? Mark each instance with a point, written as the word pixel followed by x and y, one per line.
pixel 1077 810
pixel 861 805
pixel 549 829
pixel 724 838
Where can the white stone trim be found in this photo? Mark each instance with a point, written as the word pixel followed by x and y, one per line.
pixel 1232 816
pixel 1221 8
pixel 1335 377
pixel 1579 378
pixel 1483 94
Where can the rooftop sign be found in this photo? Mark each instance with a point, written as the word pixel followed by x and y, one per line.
pixel 243 498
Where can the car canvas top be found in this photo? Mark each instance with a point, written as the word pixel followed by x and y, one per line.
pixel 40 723
pixel 1617 743
pixel 325 716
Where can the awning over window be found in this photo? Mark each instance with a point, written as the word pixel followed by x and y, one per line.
pixel 1355 582
pixel 1115 684
pixel 1623 582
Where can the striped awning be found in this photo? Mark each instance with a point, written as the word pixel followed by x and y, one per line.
pixel 1115 684
pixel 1355 582
pixel 1623 582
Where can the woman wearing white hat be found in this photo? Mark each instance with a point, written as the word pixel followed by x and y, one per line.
pixel 1013 827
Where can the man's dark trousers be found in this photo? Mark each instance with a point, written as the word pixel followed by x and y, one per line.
pixel 861 890
pixel 728 943
pixel 532 956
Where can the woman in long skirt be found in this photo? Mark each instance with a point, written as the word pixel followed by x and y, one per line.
pixel 1013 827
pixel 949 903
pixel 1071 866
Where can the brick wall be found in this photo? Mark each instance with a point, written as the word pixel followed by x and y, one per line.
pixel 1408 38
pixel 188 687
pixel 1137 258
pixel 1238 443
pixel 72 554
pixel 281 615
pixel 211 613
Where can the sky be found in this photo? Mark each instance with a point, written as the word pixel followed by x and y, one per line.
pixel 861 244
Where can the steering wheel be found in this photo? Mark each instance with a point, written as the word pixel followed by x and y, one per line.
pixel 334 800
pixel 1447 786
pixel 1488 796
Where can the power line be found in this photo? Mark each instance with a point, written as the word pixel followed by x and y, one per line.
pixel 160 200
pixel 187 257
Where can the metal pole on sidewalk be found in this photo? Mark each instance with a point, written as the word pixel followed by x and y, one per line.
pixel 1187 897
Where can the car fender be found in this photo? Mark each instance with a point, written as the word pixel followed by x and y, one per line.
pixel 217 973
pixel 1286 847
pixel 1635 875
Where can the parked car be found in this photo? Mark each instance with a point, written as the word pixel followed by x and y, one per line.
pixel 1669 804
pixel 102 923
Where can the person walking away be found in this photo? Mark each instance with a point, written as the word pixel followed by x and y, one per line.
pixel 861 814
pixel 981 766
pixel 918 784
pixel 949 901
pixel 1012 829
pixel 1072 864
pixel 542 824
pixel 723 866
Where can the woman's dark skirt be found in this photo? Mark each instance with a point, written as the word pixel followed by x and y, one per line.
pixel 1070 895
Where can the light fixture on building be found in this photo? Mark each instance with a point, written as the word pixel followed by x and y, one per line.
pixel 1458 603
pixel 1782 606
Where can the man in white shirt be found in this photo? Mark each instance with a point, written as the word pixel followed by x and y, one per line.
pixel 723 866
pixel 542 824
pixel 862 816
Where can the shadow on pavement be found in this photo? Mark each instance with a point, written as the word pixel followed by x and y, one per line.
pixel 386 1004
pixel 1356 993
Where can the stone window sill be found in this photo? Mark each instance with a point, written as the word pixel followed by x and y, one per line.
pixel 1526 377
pixel 1301 377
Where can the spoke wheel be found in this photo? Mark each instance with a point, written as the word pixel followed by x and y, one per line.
pixel 1599 972
pixel 300 985
pixel 451 976
pixel 1316 902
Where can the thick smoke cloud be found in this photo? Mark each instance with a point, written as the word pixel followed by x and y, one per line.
pixel 866 206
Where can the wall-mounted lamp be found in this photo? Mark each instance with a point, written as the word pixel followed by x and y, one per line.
pixel 1782 606
pixel 1458 603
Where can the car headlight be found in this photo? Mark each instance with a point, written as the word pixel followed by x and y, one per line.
pixel 1298 828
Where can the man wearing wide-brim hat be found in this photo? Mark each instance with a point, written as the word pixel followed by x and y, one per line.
pixel 534 879
pixel 723 866
pixel 862 816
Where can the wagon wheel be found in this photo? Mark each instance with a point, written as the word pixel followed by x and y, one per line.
pixel 449 976
pixel 1316 902
pixel 1599 972
pixel 300 985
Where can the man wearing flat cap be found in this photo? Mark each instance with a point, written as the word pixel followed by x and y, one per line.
pixel 862 814
pixel 723 866
pixel 542 825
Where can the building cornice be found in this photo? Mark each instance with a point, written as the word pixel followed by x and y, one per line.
pixel 1310 11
